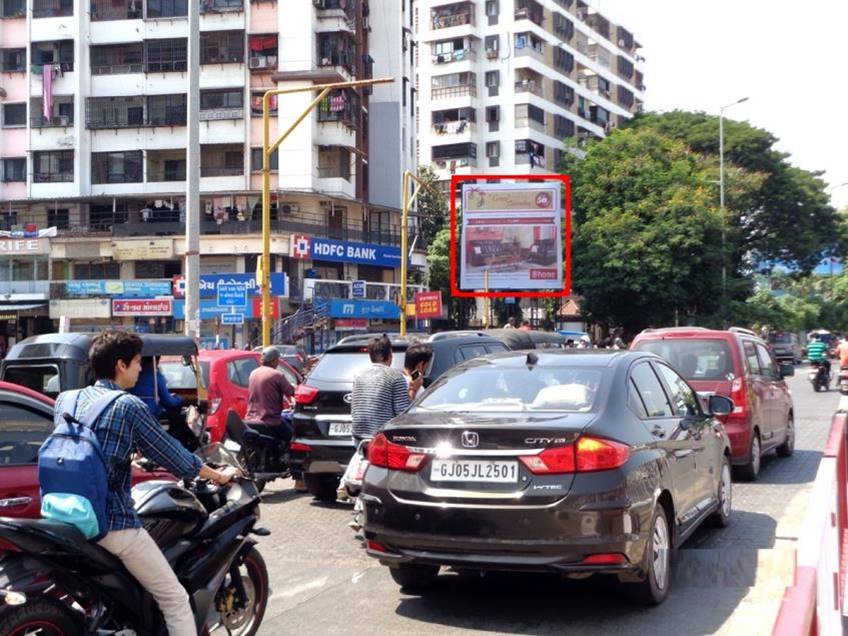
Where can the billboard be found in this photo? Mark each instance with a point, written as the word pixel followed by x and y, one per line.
pixel 514 232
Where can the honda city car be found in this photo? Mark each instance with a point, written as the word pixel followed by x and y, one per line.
pixel 573 462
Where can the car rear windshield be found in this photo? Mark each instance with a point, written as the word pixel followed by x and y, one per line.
pixel 43 378
pixel 781 338
pixel 345 365
pixel 484 388
pixel 695 359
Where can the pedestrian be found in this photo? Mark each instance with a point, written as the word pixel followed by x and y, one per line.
pixel 510 323
pixel 124 426
pixel 618 340
pixel 842 352
pixel 418 356
pixel 525 326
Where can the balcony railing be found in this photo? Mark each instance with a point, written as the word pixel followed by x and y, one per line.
pixel 221 6
pixel 37 120
pixel 530 86
pixel 52 8
pixel 454 56
pixel 53 177
pixel 25 287
pixel 117 69
pixel 217 114
pixel 335 172
pixel 454 91
pixel 452 20
pixel 129 10
pixel 459 127
pixel 455 162
pixel 529 122
pixel 221 171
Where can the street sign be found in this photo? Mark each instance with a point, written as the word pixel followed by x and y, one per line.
pixel 509 300
pixel 357 289
pixel 232 295
pixel 232 319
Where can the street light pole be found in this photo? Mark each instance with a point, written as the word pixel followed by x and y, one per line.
pixel 192 205
pixel 721 206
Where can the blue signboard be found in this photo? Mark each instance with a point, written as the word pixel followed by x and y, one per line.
pixel 342 308
pixel 209 284
pixel 119 288
pixel 509 300
pixel 357 289
pixel 322 249
pixel 208 342
pixel 231 295
pixel 209 309
pixel 232 319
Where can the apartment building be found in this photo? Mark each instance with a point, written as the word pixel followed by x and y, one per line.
pixel 505 83
pixel 93 143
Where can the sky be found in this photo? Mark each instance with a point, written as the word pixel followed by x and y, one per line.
pixel 789 58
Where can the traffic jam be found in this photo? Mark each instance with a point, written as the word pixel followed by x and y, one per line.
pixel 499 450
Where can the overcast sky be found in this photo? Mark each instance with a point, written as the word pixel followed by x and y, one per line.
pixel 789 58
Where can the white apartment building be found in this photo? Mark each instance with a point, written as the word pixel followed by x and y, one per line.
pixel 503 83
pixel 93 140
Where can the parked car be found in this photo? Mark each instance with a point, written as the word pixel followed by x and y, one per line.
pixel 294 355
pixel 570 462
pixel 26 419
pixel 323 444
pixel 226 374
pixel 787 347
pixel 738 364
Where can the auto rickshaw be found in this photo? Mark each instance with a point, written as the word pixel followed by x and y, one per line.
pixel 56 362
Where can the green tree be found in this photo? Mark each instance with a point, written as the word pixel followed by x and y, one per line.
pixel 432 206
pixel 459 310
pixel 647 243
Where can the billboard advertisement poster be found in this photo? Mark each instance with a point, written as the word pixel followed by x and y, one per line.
pixel 428 305
pixel 513 231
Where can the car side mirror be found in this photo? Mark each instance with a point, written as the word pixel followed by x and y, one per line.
pixel 720 405
pixel 787 369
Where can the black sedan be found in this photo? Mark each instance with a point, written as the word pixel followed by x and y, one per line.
pixel 576 462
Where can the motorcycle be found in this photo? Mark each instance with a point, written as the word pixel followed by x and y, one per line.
pixel 55 582
pixel 262 456
pixel 819 376
pixel 843 380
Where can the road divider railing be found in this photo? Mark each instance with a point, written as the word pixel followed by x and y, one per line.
pixel 813 604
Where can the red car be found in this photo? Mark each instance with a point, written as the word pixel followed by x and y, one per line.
pixel 737 364
pixel 226 373
pixel 26 419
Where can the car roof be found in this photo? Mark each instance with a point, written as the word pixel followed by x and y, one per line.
pixel 17 388
pixel 565 357
pixel 75 346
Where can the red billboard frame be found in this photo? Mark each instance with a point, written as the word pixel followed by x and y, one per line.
pixel 456 291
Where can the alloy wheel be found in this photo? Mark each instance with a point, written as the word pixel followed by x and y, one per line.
pixel 755 454
pixel 725 492
pixel 660 552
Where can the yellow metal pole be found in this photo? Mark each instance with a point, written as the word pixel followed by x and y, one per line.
pixel 267 150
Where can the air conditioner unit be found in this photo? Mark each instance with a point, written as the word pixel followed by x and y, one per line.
pixel 491 53
pixel 63 120
pixel 289 208
pixel 319 4
pixel 258 62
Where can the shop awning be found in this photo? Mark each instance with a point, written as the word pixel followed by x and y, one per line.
pixel 14 308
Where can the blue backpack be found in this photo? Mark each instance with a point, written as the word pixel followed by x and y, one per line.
pixel 72 469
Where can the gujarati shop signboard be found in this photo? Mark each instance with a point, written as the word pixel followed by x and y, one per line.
pixel 142 307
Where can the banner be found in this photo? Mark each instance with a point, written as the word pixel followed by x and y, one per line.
pixel 513 231
pixel 321 249
pixel 428 305
pixel 209 284
pixel 341 308
pixel 142 307
pixel 127 288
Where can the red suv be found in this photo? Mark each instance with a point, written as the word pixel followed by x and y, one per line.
pixel 738 364
pixel 226 373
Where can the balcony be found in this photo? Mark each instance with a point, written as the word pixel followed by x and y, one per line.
pixel 166 165
pixel 61 116
pixel 337 48
pixel 221 6
pixel 8 287
pixel 52 8
pixel 334 163
pixel 452 15
pixel 454 50
pixel 340 106
pixel 453 85
pixel 445 92
pixel 102 11
pixel 455 121
pixel 58 56
pixel 452 156
pixel 529 44
pixel 53 166
pixel 529 10
pixel 221 160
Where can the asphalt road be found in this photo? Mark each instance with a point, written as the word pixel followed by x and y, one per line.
pixel 726 581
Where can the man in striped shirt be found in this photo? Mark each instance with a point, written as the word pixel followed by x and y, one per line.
pixel 379 393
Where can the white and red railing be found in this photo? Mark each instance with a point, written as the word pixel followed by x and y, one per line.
pixel 812 605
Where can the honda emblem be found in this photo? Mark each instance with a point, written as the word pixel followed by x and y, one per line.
pixel 470 439
pixel 348 397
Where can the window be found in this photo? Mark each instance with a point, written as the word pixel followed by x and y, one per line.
pixel 167 8
pixel 162 56
pixel 222 47
pixel 114 112
pixel 493 149
pixel 53 166
pixel 60 52
pixel 116 167
pixel 767 364
pixel 52 8
pixel 336 49
pixel 13 60
pixel 751 358
pixel 230 98
pixel 634 401
pixel 23 430
pixel 256 160
pixel 59 218
pixel 14 8
pixel 492 113
pixel 563 94
pixel 256 105
pixel 650 391
pixel 625 96
pixel 563 27
pixel 493 78
pixel 563 127
pixel 123 58
pixel 221 160
pixel 682 396
pixel 14 115
pixel 469 352
pixel 14 169
pixel 563 60
pixel 238 371
pixel 108 270
pixel 492 43
pixel 166 110
pixel 625 67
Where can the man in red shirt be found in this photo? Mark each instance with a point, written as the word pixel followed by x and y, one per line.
pixel 266 391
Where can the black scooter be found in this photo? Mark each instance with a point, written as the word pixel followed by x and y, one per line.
pixel 819 376
pixel 54 582
pixel 261 455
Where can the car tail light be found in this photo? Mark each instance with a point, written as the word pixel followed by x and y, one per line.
pixel 300 448
pixel 600 454
pixel 215 399
pixel 305 394
pixel 739 395
pixel 551 461
pixel 610 558
pixel 589 454
pixel 386 454
pixel 376 546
